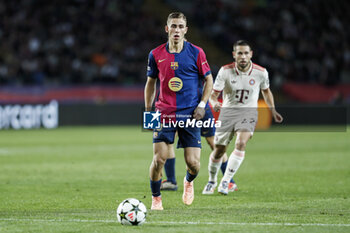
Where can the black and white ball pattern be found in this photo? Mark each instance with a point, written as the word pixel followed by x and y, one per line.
pixel 131 212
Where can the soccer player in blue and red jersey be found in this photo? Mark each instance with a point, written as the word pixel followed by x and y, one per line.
pixel 185 86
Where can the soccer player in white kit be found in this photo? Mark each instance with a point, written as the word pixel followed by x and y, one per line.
pixel 241 82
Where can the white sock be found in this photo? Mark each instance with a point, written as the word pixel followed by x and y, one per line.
pixel 213 168
pixel 235 160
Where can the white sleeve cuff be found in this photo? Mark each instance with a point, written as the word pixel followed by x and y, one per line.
pixel 201 104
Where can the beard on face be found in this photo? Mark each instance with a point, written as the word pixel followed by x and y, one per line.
pixel 243 65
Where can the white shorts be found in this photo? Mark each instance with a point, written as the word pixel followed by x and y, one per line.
pixel 233 120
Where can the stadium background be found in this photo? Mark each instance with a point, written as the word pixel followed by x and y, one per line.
pixel 86 61
pixel 90 56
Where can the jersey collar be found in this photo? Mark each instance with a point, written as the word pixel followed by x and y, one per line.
pixel 238 72
pixel 183 48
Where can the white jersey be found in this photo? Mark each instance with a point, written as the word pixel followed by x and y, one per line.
pixel 241 89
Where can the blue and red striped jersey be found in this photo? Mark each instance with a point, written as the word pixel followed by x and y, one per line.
pixel 181 77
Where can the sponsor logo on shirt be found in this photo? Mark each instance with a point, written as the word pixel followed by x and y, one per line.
pixel 175 84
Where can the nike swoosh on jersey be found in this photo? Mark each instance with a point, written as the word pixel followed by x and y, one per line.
pixel 204 62
pixel 159 61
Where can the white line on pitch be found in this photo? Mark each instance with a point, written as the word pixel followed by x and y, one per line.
pixel 178 223
pixel 254 224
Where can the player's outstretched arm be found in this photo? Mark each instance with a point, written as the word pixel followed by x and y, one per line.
pixel 268 97
pixel 199 112
pixel 150 92
pixel 214 100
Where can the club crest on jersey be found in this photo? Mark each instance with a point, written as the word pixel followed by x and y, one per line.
pixel 155 134
pixel 174 65
pixel 252 82
pixel 175 84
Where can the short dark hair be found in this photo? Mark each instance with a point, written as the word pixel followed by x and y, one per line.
pixel 241 43
pixel 176 15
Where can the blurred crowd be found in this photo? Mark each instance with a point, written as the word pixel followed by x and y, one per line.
pixel 75 41
pixel 303 41
pixel 107 41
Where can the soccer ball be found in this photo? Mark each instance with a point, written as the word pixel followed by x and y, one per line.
pixel 131 212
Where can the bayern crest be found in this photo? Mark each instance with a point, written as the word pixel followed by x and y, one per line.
pixel 252 82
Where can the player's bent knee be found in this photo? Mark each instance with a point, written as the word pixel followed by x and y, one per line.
pixel 158 161
pixel 219 151
pixel 194 167
pixel 240 145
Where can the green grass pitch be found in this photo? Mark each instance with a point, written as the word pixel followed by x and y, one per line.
pixel 72 180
